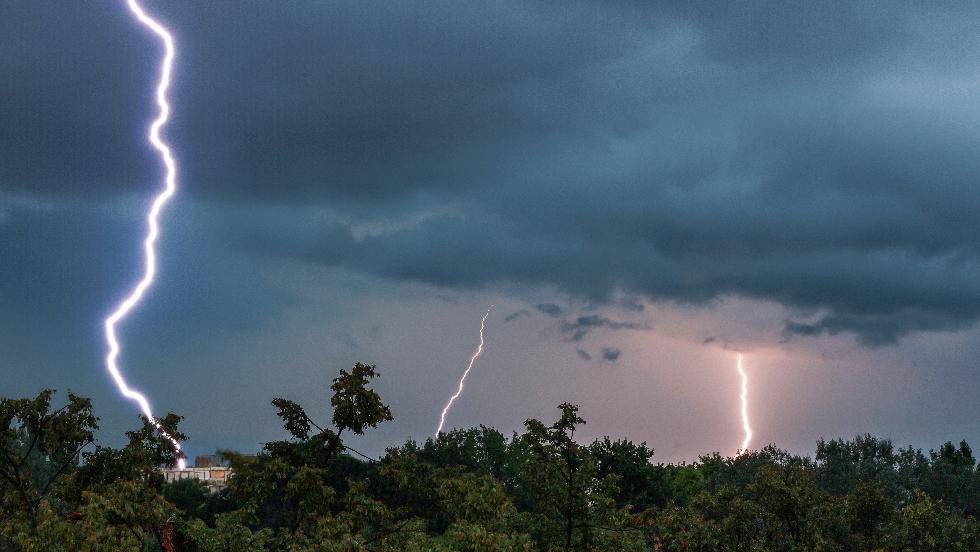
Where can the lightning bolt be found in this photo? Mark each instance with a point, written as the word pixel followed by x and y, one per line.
pixel 153 230
pixel 745 408
pixel 462 380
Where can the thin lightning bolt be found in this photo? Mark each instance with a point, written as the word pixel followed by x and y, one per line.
pixel 745 408
pixel 462 380
pixel 170 187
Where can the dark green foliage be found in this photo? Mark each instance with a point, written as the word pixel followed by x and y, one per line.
pixel 953 478
pixel 58 496
pixel 640 483
pixel 843 465
pixel 355 405
pixel 190 496
pixel 467 490
pixel 39 449
pixel 480 450
pixel 294 418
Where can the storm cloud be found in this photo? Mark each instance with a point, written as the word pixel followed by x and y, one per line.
pixel 581 326
pixel 551 309
pixel 610 354
pixel 516 315
pixel 821 156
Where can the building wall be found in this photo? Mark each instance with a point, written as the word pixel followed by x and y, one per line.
pixel 214 477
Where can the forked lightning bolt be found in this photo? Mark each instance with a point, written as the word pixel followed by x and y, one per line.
pixel 462 380
pixel 153 231
pixel 745 408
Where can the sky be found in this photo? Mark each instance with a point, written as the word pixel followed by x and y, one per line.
pixel 640 190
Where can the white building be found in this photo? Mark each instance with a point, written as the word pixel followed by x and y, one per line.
pixel 204 470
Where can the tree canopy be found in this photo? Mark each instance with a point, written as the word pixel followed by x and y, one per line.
pixel 468 490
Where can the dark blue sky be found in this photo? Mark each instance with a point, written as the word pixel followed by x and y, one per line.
pixel 640 189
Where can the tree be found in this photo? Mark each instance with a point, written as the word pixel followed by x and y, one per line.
pixel 563 478
pixel 189 496
pixel 682 529
pixel 290 486
pixel 482 450
pixel 789 494
pixel 39 448
pixel 466 490
pixel 571 502
pixel 842 465
pixel 952 477
pixel 869 510
pixel 927 525
pixel 58 496
pixel 127 515
pixel 640 483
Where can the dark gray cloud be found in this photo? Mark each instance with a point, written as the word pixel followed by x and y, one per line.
pixel 583 354
pixel 610 354
pixel 872 331
pixel 581 326
pixel 709 340
pixel 551 309
pixel 821 156
pixel 632 304
pixel 517 314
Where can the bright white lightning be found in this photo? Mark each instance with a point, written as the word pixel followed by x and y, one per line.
pixel 745 408
pixel 462 380
pixel 170 186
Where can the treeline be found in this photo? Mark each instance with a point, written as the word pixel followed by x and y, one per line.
pixel 467 490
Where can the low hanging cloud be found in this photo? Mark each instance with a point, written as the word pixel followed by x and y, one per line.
pixel 872 332
pixel 517 314
pixel 610 354
pixel 550 309
pixel 581 326
pixel 583 355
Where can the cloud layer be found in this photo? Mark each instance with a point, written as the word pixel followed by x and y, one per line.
pixel 820 156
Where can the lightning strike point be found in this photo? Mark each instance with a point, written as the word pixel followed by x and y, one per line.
pixel 462 380
pixel 153 230
pixel 745 406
